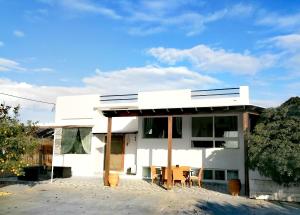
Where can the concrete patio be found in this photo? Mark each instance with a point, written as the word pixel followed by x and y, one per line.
pixel 89 196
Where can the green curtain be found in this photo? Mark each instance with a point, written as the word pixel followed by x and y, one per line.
pixel 68 139
pixel 148 126
pixel 86 136
pixel 178 124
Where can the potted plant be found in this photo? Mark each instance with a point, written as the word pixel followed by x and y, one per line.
pixel 234 187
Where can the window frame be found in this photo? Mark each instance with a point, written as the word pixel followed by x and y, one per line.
pixel 91 139
pixel 214 138
pixel 218 180
pixel 155 138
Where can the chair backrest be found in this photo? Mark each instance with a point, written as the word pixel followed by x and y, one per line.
pixel 177 174
pixel 164 172
pixel 185 168
pixel 153 171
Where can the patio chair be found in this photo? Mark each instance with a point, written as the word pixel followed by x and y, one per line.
pixel 178 176
pixel 197 177
pixel 154 174
pixel 186 173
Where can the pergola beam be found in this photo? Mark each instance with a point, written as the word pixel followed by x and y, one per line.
pixel 107 152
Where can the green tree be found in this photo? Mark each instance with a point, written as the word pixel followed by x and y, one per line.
pixel 274 148
pixel 16 140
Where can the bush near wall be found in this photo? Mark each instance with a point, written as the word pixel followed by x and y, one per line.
pixel 274 148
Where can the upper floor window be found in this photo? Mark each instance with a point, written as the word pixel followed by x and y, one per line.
pixel 157 127
pixel 76 140
pixel 215 131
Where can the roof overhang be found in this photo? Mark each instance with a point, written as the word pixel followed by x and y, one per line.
pixel 181 111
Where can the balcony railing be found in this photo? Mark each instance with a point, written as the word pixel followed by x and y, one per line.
pixel 222 92
pixel 119 98
pixel 195 94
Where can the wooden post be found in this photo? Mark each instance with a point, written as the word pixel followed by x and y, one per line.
pixel 107 152
pixel 246 130
pixel 170 127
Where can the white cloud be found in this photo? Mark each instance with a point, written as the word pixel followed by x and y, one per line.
pixel 168 14
pixel 279 21
pixel 43 69
pixel 84 6
pixel 19 33
pixel 9 65
pixel 136 79
pixel 214 60
pixel 289 42
pixel 1 43
pixel 150 17
pixel 119 81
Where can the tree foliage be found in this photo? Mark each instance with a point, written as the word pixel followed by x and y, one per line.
pixel 274 148
pixel 16 140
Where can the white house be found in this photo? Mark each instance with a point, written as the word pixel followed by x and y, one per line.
pixel 207 125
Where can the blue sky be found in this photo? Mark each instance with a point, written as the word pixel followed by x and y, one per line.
pixel 50 48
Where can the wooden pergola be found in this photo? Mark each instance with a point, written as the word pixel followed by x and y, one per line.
pixel 247 110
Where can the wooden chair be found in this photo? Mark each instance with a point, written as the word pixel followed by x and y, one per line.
pixel 198 177
pixel 186 173
pixel 154 174
pixel 178 176
pixel 164 174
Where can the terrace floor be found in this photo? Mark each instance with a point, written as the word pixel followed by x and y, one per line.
pixel 89 196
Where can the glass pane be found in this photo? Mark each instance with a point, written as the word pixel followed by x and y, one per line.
pixel 157 127
pixel 177 127
pixel 202 127
pixel 233 144
pixel 226 126
pixel 202 144
pixel 219 175
pixel 208 174
pixel 232 174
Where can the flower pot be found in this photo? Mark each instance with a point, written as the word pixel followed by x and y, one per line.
pixel 234 187
pixel 113 179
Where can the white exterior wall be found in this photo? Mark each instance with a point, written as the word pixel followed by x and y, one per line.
pixel 154 151
pixel 79 111
pixel 264 188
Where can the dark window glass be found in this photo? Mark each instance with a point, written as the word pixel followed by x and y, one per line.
pixel 157 127
pixel 208 174
pixel 202 144
pixel 202 126
pixel 232 174
pixel 219 175
pixel 226 126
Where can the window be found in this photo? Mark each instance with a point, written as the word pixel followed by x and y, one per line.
pixel 226 126
pixel 157 127
pixel 232 174
pixel 202 127
pixel 207 174
pixel 220 175
pixel 76 140
pixel 215 131
pixel 202 144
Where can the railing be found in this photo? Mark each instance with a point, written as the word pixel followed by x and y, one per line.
pixel 118 98
pixel 224 92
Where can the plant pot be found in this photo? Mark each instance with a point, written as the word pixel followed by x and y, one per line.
pixel 234 187
pixel 113 179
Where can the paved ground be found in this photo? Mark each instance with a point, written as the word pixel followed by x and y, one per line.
pixel 89 196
